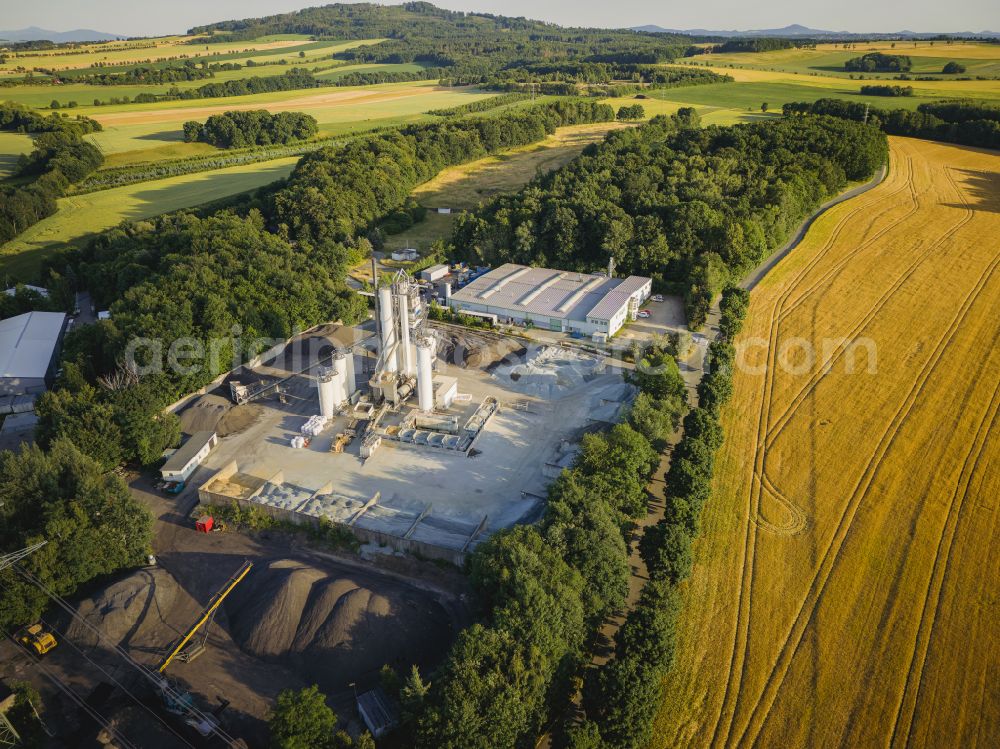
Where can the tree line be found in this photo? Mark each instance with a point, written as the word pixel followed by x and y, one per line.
pixel 482 105
pixel 886 91
pixel 257 127
pixel 60 158
pixel 692 208
pixel 964 122
pixel 544 590
pixel 622 697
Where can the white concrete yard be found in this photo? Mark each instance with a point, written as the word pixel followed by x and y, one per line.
pixel 502 480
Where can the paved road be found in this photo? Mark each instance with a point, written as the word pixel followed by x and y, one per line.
pixel 755 276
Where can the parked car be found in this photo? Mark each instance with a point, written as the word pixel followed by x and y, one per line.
pixel 657 297
pixel 644 313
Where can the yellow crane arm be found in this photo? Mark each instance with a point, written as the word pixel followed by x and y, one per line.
pixel 216 601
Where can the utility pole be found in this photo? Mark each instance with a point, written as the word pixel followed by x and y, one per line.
pixel 8 736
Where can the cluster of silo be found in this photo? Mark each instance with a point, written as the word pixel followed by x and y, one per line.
pixel 336 383
pixel 393 378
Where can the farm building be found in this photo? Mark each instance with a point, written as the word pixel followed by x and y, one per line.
pixel 182 463
pixel 28 347
pixel 564 301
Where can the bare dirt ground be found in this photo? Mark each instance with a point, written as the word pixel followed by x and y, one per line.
pixel 300 617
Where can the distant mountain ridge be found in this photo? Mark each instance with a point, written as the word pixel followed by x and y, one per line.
pixel 796 30
pixel 35 34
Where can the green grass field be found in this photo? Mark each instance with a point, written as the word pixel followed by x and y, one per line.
pixel 727 103
pixel 141 127
pixel 84 94
pixel 80 216
pixel 12 145
pixel 828 59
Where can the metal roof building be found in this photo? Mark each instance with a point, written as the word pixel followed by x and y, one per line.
pixel 28 347
pixel 188 456
pixel 566 301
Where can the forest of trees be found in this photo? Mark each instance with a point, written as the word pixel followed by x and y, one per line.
pixel 60 158
pixel 964 122
pixel 473 45
pixel 692 208
pixel 879 62
pixel 335 192
pixel 256 127
pixel 595 78
pixel 92 524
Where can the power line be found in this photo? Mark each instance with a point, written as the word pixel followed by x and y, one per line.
pixel 157 680
pixel 117 735
pixel 6 560
pixel 121 686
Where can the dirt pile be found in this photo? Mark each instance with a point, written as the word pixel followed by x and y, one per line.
pixel 238 418
pixel 204 414
pixel 477 351
pixel 128 612
pixel 332 628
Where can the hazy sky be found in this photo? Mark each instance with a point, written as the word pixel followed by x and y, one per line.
pixel 151 17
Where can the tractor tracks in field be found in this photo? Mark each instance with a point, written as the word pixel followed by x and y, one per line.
pixel 843 348
pixel 761 707
pixel 905 710
pixel 738 652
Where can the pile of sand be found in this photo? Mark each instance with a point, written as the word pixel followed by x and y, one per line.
pixel 214 413
pixel 127 612
pixel 204 414
pixel 332 626
pixel 238 418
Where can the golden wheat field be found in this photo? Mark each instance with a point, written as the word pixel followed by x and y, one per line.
pixel 846 590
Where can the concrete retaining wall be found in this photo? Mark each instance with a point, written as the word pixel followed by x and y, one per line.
pixel 364 535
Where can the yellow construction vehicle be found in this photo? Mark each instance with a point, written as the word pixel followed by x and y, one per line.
pixel 36 639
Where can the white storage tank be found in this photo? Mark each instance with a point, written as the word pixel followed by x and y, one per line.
pixel 425 373
pixel 324 381
pixel 344 361
pixel 387 323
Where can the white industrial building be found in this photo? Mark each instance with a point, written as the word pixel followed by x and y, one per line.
pixel 189 456
pixel 564 301
pixel 28 347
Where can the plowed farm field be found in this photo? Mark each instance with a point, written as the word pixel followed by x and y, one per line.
pixel 846 590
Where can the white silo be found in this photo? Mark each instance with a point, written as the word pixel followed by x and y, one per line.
pixel 339 386
pixel 425 373
pixel 344 361
pixel 387 321
pixel 327 395
pixel 405 352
